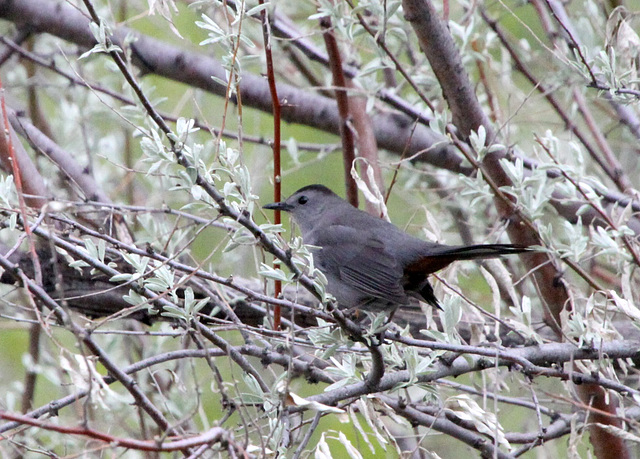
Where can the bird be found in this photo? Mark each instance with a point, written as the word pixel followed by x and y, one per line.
pixel 371 264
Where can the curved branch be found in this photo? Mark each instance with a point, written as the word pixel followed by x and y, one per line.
pixel 442 424
pixel 532 358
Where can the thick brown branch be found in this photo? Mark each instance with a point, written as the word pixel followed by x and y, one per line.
pixel 346 130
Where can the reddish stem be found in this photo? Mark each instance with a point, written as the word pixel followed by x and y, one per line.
pixel 277 178
pixel 346 132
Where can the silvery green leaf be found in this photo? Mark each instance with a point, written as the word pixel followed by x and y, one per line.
pixel 478 139
pixel 253 386
pixel 91 248
pixel 274 273
pixel 425 363
pixel 257 9
pixel 174 312
pixel 270 228
pixel 484 421
pixel 198 305
pixel 79 264
pixel 197 192
pixel 337 385
pixel 184 127
pixel 136 261
pixel 220 81
pixel 435 335
pixel 7 190
pixel 155 285
pixel 210 25
pixel 134 298
pixel 124 277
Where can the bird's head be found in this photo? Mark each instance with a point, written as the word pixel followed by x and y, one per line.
pixel 309 206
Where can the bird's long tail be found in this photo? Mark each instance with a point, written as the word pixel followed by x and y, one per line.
pixel 440 256
pixel 469 252
pixel 437 257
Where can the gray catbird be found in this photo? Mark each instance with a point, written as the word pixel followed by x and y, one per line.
pixel 369 263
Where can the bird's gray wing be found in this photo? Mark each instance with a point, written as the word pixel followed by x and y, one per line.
pixel 364 263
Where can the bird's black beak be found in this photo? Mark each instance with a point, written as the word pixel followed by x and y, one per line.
pixel 278 206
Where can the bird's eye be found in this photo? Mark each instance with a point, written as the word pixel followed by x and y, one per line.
pixel 302 200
